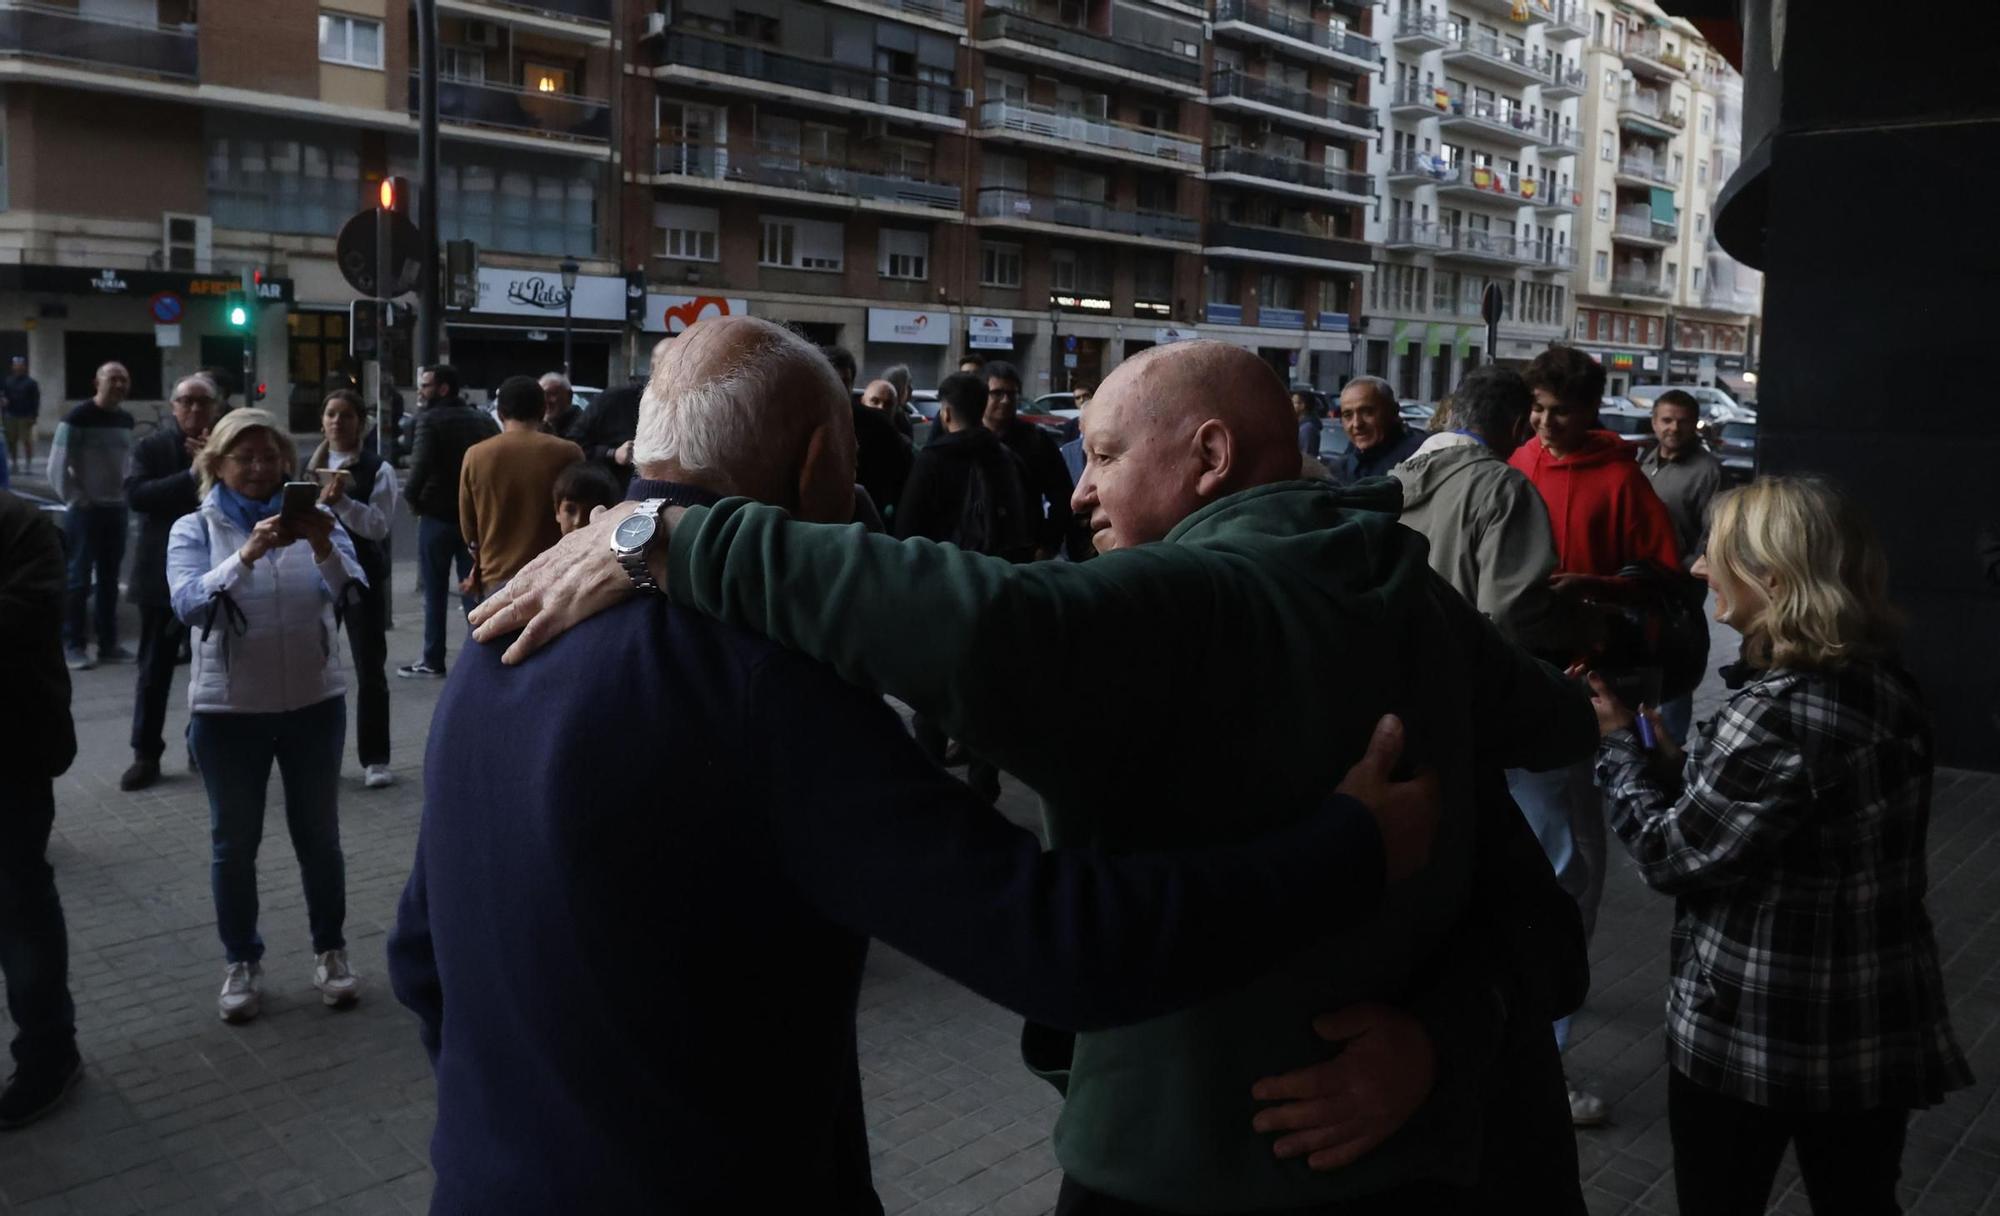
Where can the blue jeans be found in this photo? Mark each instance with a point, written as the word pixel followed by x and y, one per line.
pixel 34 941
pixel 439 549
pixel 235 753
pixel 96 543
pixel 1566 813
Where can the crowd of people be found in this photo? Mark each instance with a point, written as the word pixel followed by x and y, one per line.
pixel 1340 986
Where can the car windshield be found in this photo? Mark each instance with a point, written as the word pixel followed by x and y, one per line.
pixel 1744 432
pixel 1627 424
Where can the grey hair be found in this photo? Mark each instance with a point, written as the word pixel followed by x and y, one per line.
pixel 721 423
pixel 899 376
pixel 1383 391
pixel 199 377
pixel 557 377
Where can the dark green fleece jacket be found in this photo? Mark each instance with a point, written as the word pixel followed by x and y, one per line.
pixel 1213 686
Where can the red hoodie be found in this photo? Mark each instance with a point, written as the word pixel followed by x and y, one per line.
pixel 1605 513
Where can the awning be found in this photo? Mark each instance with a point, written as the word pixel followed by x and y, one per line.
pixel 1663 205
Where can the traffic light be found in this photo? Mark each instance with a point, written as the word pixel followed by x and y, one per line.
pixel 394 195
pixel 236 310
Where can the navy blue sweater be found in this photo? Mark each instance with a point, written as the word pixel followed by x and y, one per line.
pixel 635 928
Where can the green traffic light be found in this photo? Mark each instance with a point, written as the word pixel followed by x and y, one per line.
pixel 239 316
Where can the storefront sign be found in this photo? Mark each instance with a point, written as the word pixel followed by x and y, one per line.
pixel 78 280
pixel 539 293
pixel 667 314
pixel 1620 361
pixel 1173 333
pixel 989 333
pixel 166 336
pixel 1650 363
pixel 912 328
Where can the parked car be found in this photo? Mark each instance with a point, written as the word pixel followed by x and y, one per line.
pixel 1416 415
pixel 1616 402
pixel 1055 413
pixel 1734 443
pixel 1630 423
pixel 923 405
pixel 1716 405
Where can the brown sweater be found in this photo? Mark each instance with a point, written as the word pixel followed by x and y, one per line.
pixel 505 508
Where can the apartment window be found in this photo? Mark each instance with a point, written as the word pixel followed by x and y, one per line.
pixel 756 27
pixel 1224 287
pixel 1680 166
pixel 1153 277
pixel 462 63
pixel 1003 173
pixel 688 233
pixel 1581 336
pixel 188 240
pixel 1673 276
pixel 354 41
pixel 1701 173
pixel 1707 119
pixel 1611 83
pixel 1700 225
pixel 999 264
pixel 1601 269
pixel 542 78
pixel 1444 291
pixel 1278 291
pixel 1607 147
pixel 1597 28
pixel 905 254
pixel 1604 204
pixel 801 244
pixel 1695 281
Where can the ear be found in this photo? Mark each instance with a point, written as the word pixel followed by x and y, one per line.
pixel 826 482
pixel 1215 452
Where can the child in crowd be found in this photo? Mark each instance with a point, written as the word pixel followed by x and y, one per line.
pixel 579 489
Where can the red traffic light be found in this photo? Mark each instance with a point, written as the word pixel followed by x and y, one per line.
pixel 388 194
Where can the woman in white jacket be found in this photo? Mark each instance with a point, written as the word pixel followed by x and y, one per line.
pixel 259 593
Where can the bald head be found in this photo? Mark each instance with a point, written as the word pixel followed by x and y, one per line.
pixel 1176 427
pixel 881 395
pixel 738 405
pixel 114 384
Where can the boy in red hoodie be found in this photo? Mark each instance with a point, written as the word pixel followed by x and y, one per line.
pixel 1606 516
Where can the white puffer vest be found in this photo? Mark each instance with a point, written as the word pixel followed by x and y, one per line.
pixel 282 653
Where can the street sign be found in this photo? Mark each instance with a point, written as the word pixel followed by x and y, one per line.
pixel 166 307
pixel 355 251
pixel 1069 361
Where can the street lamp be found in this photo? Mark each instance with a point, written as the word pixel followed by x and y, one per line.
pixel 1055 349
pixel 569 269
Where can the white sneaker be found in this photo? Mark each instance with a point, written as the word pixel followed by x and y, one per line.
pixel 1587 1109
pixel 377 776
pixel 242 992
pixel 335 980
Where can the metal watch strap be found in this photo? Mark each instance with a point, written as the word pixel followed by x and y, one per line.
pixel 634 563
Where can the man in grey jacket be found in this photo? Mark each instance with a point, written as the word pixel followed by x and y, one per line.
pixel 1488 527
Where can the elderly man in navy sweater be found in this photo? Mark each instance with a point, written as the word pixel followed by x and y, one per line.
pixel 636 967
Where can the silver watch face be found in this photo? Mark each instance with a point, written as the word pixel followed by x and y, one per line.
pixel 634 531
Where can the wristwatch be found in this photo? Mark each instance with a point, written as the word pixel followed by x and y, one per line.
pixel 632 537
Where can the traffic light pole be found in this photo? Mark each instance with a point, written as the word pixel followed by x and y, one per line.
pixel 427 184
pixel 385 367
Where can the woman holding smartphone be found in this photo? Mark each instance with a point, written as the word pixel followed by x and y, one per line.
pixel 359 487
pixel 1806 1005
pixel 255 573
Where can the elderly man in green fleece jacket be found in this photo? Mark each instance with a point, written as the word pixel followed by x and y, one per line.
pixel 1236 622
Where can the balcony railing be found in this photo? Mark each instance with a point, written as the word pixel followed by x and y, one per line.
pixel 510 108
pixel 1568 19
pixel 588 10
pixel 1554 136
pixel 1651 48
pixel 950 11
pixel 66 36
pixel 1647 168
pixel 1549 255
pixel 1646 228
pixel 1002 203
pixel 1004 21
pixel 1638 285
pixel 1648 104
pixel 1285 169
pixel 1499 114
pixel 683 49
pixel 1326 37
pixel 1296 242
pixel 1225 83
pixel 1512 58
pixel 787 169
pixel 1074 128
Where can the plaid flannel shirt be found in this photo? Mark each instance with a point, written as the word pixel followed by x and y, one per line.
pixel 1805 974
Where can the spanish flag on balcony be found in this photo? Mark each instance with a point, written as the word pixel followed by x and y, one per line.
pixel 1441 98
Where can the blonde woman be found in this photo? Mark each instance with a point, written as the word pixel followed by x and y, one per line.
pixel 258 591
pixel 1805 1006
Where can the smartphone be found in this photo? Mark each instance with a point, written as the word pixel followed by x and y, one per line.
pixel 301 499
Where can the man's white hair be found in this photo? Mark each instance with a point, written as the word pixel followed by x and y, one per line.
pixel 203 378
pixel 549 378
pixel 726 415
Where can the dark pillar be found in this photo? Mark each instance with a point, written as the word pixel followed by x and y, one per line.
pixel 1872 160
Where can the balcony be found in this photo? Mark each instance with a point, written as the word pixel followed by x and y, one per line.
pixel 1003 207
pixel 1068 46
pixel 1538 10
pixel 1222 314
pixel 685 56
pixel 1501 120
pixel 1301 177
pixel 1481 245
pixel 1295 246
pixel 1495 58
pixel 1563 83
pixel 1321 40
pixel 758 170
pixel 523 111
pixel 1649 56
pixel 1043 126
pixel 1640 228
pixel 1568 20
pixel 1419 235
pixel 1548 256
pixel 1646 112
pixel 1233 91
pixel 1419 32
pixel 1281 318
pixel 95 43
pixel 1552 201
pixel 1415 99
pixel 1644 171
pixel 949 12
pixel 1639 285
pixel 1484 184
pixel 1744 301
pixel 582 10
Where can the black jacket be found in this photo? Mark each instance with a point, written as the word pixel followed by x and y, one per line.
pixel 1048 477
pixel 1358 465
pixel 934 499
pixel 40 738
pixel 611 419
pixel 161 486
pixel 445 429
pixel 882 457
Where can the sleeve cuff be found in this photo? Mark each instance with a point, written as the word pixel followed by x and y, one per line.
pixel 1622 744
pixel 226 574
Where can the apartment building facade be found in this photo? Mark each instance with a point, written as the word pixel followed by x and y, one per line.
pixel 1662 124
pixel 153 151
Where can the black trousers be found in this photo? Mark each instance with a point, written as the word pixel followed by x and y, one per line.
pixel 1727 1153
pixel 367 624
pixel 34 941
pixel 1416 1199
pixel 160 634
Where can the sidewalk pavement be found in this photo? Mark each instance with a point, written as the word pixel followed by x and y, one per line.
pixel 307 1109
